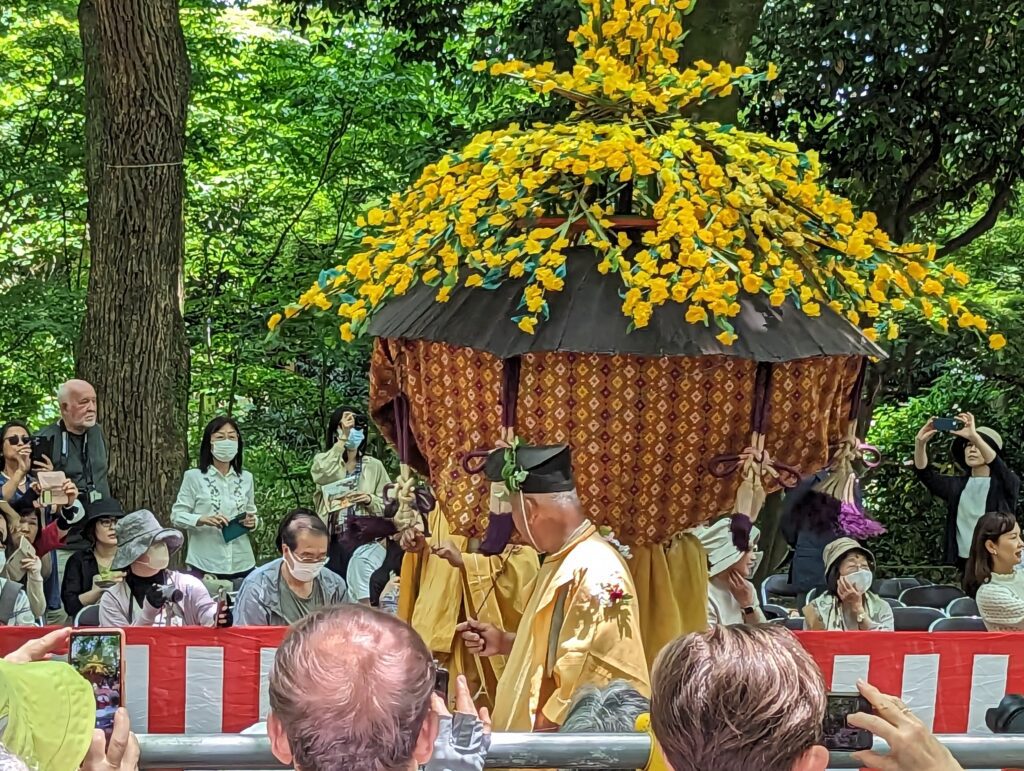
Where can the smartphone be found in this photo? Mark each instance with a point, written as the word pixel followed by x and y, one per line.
pixel 41 445
pixel 441 682
pixel 947 424
pixel 840 736
pixel 98 656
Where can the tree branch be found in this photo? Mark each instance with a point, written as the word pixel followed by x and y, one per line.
pixel 902 217
pixel 1001 197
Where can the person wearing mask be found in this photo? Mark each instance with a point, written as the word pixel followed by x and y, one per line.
pixel 24 564
pixel 150 594
pixel 216 506
pixel 349 482
pixel 88 574
pixel 15 609
pixel 990 576
pixel 987 483
pixel 290 588
pixel 731 597
pixel 848 604
pixel 703 683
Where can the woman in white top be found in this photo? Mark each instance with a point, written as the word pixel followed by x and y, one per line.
pixel 731 597
pixel 349 482
pixel 216 506
pixel 990 576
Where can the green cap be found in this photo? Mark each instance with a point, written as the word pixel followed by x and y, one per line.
pixel 47 714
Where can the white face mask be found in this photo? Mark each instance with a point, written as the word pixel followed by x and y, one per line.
pixel 861 580
pixel 157 556
pixel 306 572
pixel 225 450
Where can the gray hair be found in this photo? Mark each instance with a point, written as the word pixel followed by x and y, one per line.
pixel 610 710
pixel 351 687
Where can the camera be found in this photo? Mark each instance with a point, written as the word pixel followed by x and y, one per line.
pixel 169 593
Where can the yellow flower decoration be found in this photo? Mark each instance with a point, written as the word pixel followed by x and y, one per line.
pixel 734 212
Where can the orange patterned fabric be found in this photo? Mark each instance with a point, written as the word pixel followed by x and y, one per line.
pixel 641 429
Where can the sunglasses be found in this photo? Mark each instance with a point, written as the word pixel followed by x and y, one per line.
pixel 18 439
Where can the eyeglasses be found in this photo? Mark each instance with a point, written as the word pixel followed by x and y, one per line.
pixel 19 439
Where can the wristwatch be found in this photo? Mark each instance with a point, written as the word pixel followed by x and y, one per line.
pixel 861 618
pixel 748 610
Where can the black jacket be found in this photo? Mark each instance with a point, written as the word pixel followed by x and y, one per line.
pixel 1002 496
pixel 78 575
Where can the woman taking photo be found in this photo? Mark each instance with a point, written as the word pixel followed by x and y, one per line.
pixel 349 482
pixel 216 506
pixel 848 604
pixel 990 576
pixel 88 573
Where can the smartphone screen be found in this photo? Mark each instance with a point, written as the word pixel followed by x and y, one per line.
pixel 947 424
pixel 441 683
pixel 97 656
pixel 838 735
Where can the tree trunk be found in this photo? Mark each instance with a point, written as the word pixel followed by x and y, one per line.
pixel 133 347
pixel 721 30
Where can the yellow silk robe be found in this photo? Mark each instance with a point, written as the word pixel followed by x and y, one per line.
pixel 435 597
pixel 572 635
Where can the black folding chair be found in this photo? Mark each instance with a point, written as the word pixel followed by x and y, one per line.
pixel 958 624
pixel 894 587
pixel 963 606
pixel 915 619
pixel 935 596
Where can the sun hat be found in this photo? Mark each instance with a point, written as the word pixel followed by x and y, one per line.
pixel 47 714
pixel 136 532
pixel 717 542
pixel 839 548
pixel 959 447
pixel 103 508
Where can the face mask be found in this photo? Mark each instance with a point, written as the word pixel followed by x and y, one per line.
pixel 157 557
pixel 861 580
pixel 225 450
pixel 355 438
pixel 306 572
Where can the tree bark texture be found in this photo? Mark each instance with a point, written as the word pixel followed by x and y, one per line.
pixel 720 31
pixel 133 347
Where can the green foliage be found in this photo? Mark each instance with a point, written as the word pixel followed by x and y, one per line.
pixel 915 105
pixel 915 520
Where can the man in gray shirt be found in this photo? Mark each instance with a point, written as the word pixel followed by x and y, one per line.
pixel 295 585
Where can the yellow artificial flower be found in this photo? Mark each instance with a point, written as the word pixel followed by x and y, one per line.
pixel 696 314
pixel 812 309
pixel 475 280
pixel 375 217
pixel 726 338
pixel 528 324
pixel 273 321
pixel 996 342
pixel 871 334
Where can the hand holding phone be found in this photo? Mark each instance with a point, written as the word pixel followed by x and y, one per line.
pixel 839 735
pixel 51 487
pixel 947 425
pixel 98 655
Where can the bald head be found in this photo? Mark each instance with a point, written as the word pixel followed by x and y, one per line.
pixel 546 520
pixel 77 400
pixel 351 689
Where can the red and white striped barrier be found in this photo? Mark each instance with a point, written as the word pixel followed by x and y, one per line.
pixel 201 681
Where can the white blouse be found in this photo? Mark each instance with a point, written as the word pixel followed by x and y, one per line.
pixel 1001 602
pixel 204 495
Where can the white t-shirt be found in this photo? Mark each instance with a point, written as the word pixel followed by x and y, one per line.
pixel 365 560
pixel 973 502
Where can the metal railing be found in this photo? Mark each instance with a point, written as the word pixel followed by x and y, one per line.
pixel 232 752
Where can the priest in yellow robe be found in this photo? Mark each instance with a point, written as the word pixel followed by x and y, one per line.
pixel 442 584
pixel 581 625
